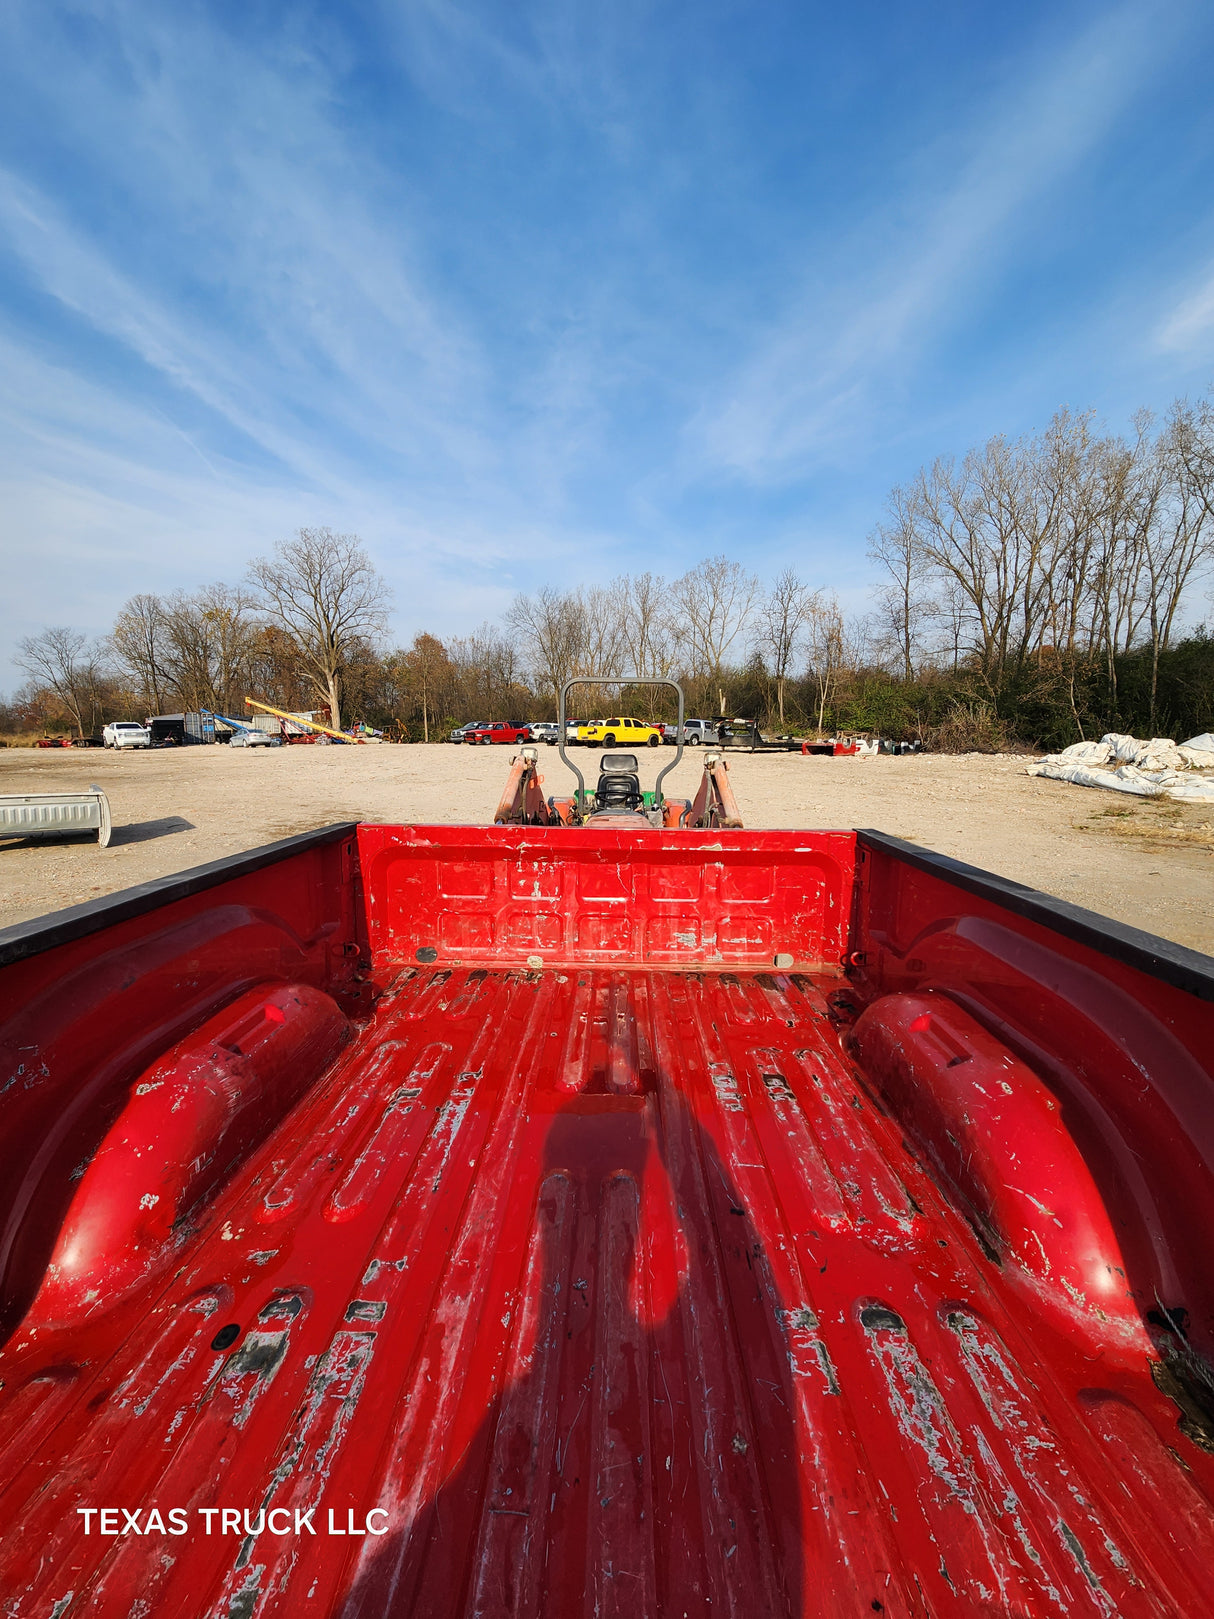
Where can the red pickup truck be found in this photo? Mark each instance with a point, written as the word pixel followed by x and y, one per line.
pixel 500 731
pixel 550 1221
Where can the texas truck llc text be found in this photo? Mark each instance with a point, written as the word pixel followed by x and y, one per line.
pixel 229 1521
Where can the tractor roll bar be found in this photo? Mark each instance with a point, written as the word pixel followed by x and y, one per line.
pixel 625 680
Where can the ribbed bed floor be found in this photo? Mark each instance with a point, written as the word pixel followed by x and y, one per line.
pixel 616 1294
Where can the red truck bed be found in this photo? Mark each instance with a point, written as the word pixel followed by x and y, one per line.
pixel 497 1192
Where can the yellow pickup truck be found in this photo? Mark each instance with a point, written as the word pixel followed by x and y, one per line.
pixel 613 732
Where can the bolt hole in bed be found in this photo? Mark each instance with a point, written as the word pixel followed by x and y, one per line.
pixel 652 1275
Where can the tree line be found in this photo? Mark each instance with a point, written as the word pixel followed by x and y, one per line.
pixel 1033 591
pixel 301 631
pixel 1032 564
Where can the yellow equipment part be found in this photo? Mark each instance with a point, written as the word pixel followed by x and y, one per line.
pixel 280 713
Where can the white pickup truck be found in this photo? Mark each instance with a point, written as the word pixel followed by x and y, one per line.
pixel 126 734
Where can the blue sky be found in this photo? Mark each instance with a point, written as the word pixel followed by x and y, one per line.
pixel 544 292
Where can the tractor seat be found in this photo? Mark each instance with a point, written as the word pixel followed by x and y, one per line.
pixel 619 785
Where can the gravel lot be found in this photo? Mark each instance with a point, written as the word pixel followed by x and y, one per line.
pixel 1148 864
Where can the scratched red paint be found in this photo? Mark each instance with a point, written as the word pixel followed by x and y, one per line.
pixel 609 1279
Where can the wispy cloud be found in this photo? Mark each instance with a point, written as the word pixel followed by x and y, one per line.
pixel 923 259
pixel 1191 323
pixel 517 292
pixel 278 341
pixel 283 282
pixel 271 353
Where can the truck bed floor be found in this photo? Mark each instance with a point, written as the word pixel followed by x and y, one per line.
pixel 617 1294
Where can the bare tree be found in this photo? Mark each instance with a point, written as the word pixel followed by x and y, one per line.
pixel 550 629
pixel 1056 549
pixel 645 600
pixel 273 669
pixel 1010 539
pixel 826 637
pixel 1191 437
pixel 323 590
pixel 1180 540
pixel 62 661
pixel 1064 489
pixel 904 602
pixel 197 645
pixel 605 648
pixel 563 633
pixel 209 638
pixel 488 674
pixel 428 669
pixel 1128 493
pixel 783 616
pixel 980 532
pixel 138 646
pixel 713 604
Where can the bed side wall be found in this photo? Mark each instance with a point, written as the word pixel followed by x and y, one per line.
pixel 96 995
pixel 1118 1024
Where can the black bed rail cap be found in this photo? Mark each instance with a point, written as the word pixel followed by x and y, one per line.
pixel 31 938
pixel 1174 964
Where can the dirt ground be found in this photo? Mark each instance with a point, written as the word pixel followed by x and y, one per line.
pixel 1146 863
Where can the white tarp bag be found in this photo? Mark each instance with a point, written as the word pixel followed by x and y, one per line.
pixel 1198 751
pixel 1161 758
pixel 1160 753
pixel 1126 780
pixel 1175 785
pixel 1122 748
pixel 1086 753
pixel 1147 769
